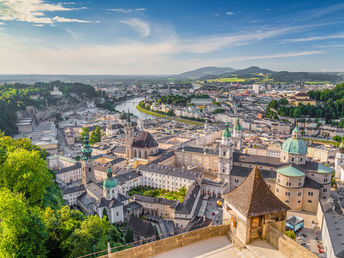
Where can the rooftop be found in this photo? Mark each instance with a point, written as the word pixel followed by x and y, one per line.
pixel 254 198
pixel 290 171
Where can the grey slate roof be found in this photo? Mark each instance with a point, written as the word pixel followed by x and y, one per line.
pixel 148 199
pixel 74 189
pixel 123 178
pixel 257 160
pixel 67 169
pixel 118 149
pixel 163 157
pixel 310 183
pixel 95 189
pixel 111 204
pixel 244 172
pixel 141 227
pixel 198 150
pixel 189 201
pixel 170 171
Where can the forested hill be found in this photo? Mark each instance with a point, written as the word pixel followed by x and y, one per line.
pixel 198 73
pixel 330 106
pixel 282 76
pixel 14 97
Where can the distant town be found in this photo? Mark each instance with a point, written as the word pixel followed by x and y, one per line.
pixel 164 156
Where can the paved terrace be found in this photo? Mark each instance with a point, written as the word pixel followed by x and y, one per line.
pixel 221 247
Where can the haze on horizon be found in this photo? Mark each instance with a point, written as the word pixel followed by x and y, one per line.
pixel 160 37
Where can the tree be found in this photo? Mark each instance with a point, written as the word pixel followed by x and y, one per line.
pixel 22 231
pixel 25 172
pixel 83 132
pixel 337 138
pixel 91 236
pixel 291 234
pixel 129 236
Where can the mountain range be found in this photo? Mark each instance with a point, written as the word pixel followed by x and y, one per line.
pixel 254 72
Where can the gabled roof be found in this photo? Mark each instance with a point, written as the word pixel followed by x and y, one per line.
pixel 254 198
pixel 144 140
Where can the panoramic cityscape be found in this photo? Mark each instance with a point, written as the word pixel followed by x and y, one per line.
pixel 171 129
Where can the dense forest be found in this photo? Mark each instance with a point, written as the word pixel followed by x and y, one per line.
pixel 15 97
pixel 330 107
pixel 33 219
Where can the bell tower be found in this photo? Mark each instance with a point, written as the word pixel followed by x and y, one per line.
pixel 237 135
pixel 129 137
pixel 225 155
pixel 86 161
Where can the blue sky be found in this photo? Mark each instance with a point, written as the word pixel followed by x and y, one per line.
pixel 166 37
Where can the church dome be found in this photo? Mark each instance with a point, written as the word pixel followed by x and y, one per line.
pixel 110 182
pixel 295 144
pixel 226 133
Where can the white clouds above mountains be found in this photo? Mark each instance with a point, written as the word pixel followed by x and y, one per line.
pixel 33 11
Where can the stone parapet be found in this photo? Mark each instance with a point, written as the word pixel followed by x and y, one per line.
pixel 163 245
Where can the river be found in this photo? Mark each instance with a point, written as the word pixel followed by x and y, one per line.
pixel 131 105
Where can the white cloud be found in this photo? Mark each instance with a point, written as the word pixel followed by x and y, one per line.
pixel 169 54
pixel 229 13
pixel 32 11
pixel 61 19
pixel 74 36
pixel 334 36
pixel 278 55
pixel 38 25
pixel 140 26
pixel 1 23
pixel 120 10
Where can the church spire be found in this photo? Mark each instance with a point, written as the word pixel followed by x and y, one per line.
pixel 86 149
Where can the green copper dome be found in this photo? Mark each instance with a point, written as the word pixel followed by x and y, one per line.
pixel 110 182
pixel 237 126
pixel 295 144
pixel 226 133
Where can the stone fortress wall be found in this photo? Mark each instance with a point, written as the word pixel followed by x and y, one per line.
pixel 283 243
pixel 286 245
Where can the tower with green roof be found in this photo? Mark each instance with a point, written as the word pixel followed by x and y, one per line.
pixel 339 160
pixel 86 160
pixel 237 135
pixel 294 149
pixel 225 155
pixel 110 189
pixel 129 137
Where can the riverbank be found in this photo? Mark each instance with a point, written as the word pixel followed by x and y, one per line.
pixel 168 117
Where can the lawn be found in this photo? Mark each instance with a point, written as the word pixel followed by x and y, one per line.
pixel 160 193
pixel 334 143
pixel 317 82
pixel 232 79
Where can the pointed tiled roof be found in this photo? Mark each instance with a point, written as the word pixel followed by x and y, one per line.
pixel 144 140
pixel 254 198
